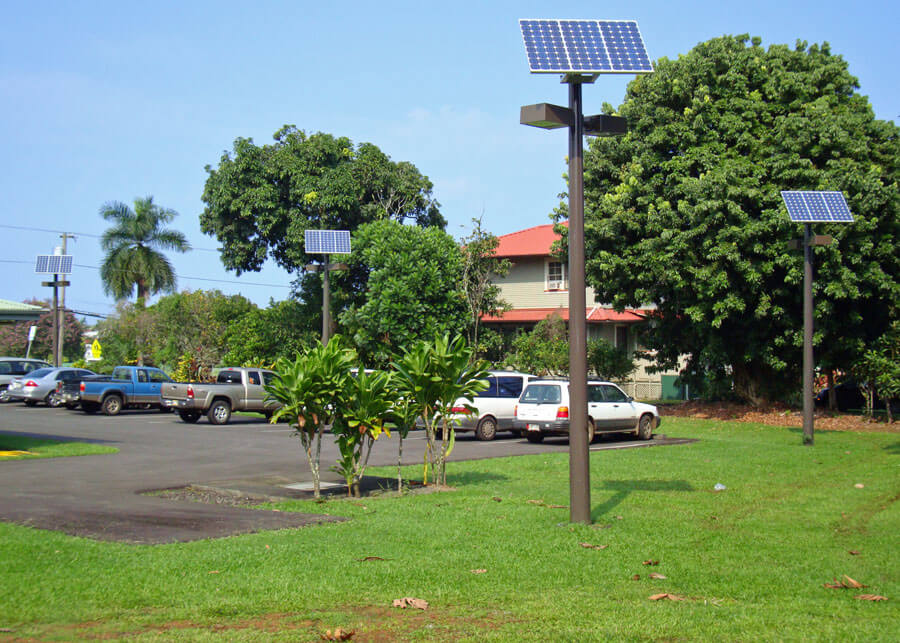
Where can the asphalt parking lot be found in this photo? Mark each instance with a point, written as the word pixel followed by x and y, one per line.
pixel 101 497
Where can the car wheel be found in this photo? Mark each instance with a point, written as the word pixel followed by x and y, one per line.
pixel 53 400
pixel 112 405
pixel 534 438
pixel 219 412
pixel 189 416
pixel 645 427
pixel 486 429
pixel 591 431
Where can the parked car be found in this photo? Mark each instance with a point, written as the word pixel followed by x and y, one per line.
pixel 543 409
pixel 13 367
pixel 40 385
pixel 495 407
pixel 235 389
pixel 129 386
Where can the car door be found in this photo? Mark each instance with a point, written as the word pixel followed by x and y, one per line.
pixel 155 379
pixel 509 388
pixel 255 391
pixel 618 411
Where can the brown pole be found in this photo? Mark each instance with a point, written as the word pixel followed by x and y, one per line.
pixel 808 429
pixel 579 471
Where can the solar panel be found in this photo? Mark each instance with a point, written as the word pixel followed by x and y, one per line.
pixel 585 46
pixel 816 207
pixel 53 264
pixel 329 242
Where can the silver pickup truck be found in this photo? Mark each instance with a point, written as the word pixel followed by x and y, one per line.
pixel 235 389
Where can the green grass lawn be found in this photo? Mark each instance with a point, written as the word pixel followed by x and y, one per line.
pixel 42 448
pixel 751 561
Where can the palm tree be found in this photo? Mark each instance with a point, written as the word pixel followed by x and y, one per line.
pixel 132 248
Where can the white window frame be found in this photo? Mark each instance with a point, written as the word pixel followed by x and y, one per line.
pixel 556 285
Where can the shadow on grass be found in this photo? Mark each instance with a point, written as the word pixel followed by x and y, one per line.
pixel 893 449
pixel 37 439
pixel 623 488
pixel 474 477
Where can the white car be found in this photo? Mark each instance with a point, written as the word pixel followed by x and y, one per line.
pixel 495 407
pixel 543 409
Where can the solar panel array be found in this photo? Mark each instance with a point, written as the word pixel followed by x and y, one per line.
pixel 328 242
pixel 816 207
pixel 53 264
pixel 585 46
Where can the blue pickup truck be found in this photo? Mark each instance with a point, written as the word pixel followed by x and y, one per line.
pixel 128 386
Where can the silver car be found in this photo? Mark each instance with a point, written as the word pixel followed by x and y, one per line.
pixel 15 367
pixel 40 385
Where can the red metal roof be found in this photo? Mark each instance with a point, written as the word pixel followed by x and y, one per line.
pixel 593 315
pixel 534 241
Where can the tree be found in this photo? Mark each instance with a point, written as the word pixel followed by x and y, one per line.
pixel 14 337
pixel 411 278
pixel 481 266
pixel 879 371
pixel 544 350
pixel 685 210
pixel 261 199
pixel 264 335
pixel 126 337
pixel 609 362
pixel 133 249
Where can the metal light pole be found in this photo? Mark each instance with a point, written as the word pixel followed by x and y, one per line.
pixel 579 50
pixel 808 363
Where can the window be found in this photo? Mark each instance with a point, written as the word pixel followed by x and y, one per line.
pixel 122 374
pixel 595 394
pixel 253 376
pixel 541 394
pixel 613 393
pixel 622 338
pixel 509 386
pixel 158 376
pixel 268 376
pixel 491 390
pixel 557 276
pixel 142 376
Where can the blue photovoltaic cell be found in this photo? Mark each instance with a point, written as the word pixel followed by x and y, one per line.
pixel 329 242
pixel 53 264
pixel 816 207
pixel 585 46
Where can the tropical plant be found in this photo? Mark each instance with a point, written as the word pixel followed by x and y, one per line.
pixel 311 390
pixel 879 371
pixel 402 417
pixel 133 245
pixel 433 375
pixel 365 406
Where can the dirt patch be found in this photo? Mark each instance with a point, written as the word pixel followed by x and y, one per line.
pixel 778 415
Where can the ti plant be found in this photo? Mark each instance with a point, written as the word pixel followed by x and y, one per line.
pixel 402 417
pixel 366 405
pixel 310 390
pixel 433 376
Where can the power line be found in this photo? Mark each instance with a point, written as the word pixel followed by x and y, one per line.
pixel 77 234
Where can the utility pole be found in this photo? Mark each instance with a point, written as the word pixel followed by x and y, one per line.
pixel 61 330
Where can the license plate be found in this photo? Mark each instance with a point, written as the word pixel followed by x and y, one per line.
pixel 534 427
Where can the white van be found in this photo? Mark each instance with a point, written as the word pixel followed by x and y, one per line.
pixel 495 406
pixel 543 409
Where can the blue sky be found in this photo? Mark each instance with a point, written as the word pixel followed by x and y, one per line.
pixel 104 101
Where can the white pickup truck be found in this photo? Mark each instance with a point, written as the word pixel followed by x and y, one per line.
pixel 235 389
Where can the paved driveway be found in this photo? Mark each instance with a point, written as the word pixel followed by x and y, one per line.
pixel 99 496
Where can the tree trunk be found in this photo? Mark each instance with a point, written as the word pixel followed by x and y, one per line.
pixel 832 394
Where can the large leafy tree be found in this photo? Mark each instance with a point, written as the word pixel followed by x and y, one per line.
pixel 685 212
pixel 412 292
pixel 133 247
pixel 481 267
pixel 261 199
pixel 14 337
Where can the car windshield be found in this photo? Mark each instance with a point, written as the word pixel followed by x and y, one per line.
pixel 41 372
pixel 541 394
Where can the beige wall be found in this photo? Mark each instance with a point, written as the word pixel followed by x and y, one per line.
pixel 523 286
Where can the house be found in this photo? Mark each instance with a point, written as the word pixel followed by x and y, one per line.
pixel 537 286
